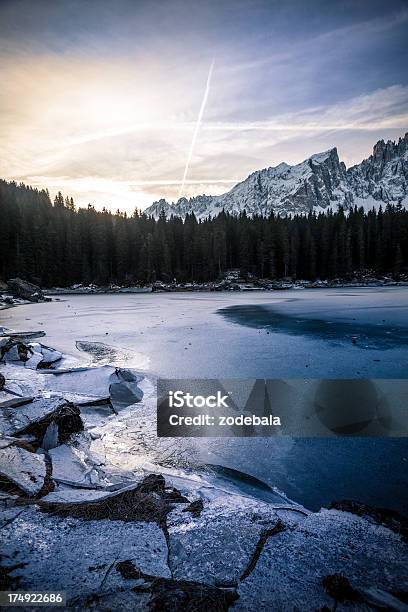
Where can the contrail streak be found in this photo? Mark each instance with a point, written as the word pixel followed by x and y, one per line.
pixel 197 127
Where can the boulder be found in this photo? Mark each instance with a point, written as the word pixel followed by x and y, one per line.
pixel 25 290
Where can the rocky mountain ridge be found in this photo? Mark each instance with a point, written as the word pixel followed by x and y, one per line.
pixel 319 183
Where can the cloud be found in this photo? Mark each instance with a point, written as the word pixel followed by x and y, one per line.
pixel 103 105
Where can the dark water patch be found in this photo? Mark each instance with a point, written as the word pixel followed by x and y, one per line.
pixel 361 335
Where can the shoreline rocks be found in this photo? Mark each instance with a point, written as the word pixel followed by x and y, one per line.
pixel 25 290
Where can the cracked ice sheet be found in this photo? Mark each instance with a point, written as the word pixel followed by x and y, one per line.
pixel 75 556
pixel 217 546
pixel 330 542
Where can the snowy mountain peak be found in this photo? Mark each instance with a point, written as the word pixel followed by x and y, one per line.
pixel 318 183
pixel 320 158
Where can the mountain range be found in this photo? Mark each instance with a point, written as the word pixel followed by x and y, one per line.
pixel 319 183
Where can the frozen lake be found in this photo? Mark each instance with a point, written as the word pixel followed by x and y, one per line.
pixel 280 334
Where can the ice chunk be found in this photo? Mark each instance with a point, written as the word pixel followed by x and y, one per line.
pixel 26 470
pixel 16 420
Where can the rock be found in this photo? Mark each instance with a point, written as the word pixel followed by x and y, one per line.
pixel 153 483
pixel 195 508
pixel 187 595
pixel 169 594
pixel 68 420
pixel 32 354
pixel 25 290
pixel 78 556
pixel 26 470
pixel 2 381
pixel 339 588
pixel 7 500
pixel 12 352
pixel 14 421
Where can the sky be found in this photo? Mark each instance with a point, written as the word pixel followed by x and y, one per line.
pixel 121 103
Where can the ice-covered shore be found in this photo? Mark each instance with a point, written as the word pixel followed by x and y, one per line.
pixel 94 504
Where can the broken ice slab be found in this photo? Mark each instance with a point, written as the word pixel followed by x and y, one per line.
pixel 124 390
pixel 90 385
pixel 22 335
pixel 72 466
pixel 50 439
pixel 9 400
pixel 31 354
pixel 41 354
pixel 16 420
pixel 11 354
pixel 24 469
pixel 86 384
pixel 33 361
pixel 72 495
pixel 22 381
pixel 79 556
pixel 50 355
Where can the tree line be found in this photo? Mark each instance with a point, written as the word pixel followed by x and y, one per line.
pixel 56 244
